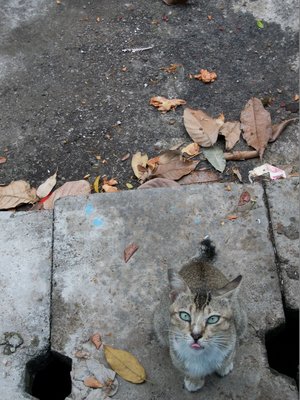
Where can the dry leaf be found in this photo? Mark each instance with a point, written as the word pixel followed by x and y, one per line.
pixel 244 198
pixel 175 169
pixel 82 354
pixel 125 364
pixel 171 69
pixel 199 177
pixel 92 382
pixel 231 217
pixel 96 340
pixel 129 251
pixel 256 125
pixel 277 129
pixel 105 376
pixel 138 160
pixel 163 104
pixel 201 127
pixel 241 155
pixel 3 160
pixel 192 149
pixel 172 2
pixel 232 133
pixel 296 97
pixel 96 184
pixel 125 157
pixel 168 156
pixel 72 188
pixel 16 193
pixel 45 188
pixel 205 76
pixel 129 185
pixel 109 189
pixel 110 182
pixel 236 171
pixel 158 183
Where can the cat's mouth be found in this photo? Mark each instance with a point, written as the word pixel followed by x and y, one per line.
pixel 196 346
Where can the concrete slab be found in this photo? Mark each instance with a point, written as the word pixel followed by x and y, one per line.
pixel 283 197
pixel 25 247
pixel 96 291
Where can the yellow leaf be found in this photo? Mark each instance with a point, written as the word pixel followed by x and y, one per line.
pixel 96 184
pixel 125 364
pixel 129 185
pixel 138 159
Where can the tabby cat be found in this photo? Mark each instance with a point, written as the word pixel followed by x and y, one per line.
pixel 201 319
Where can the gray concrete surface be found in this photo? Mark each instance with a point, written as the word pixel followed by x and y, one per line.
pixel 96 291
pixel 25 276
pixel 283 197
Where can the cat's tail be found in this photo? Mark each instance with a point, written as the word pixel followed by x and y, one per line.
pixel 207 250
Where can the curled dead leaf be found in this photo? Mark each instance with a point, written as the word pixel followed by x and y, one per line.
pixel 129 251
pixel 96 340
pixel 137 160
pixel 232 132
pixel 241 155
pixel 192 149
pixel 125 364
pixel 277 129
pixel 231 217
pixel 109 189
pixel 206 76
pixel 96 184
pixel 163 104
pixel 172 68
pixel 3 160
pixel 201 127
pixel 92 382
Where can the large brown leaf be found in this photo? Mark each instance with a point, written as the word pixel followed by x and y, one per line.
pixel 175 169
pixel 74 188
pixel 232 133
pixel 199 177
pixel 201 127
pixel 256 125
pixel 159 183
pixel 16 193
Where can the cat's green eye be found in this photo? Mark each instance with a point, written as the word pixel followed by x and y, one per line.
pixel 213 319
pixel 185 316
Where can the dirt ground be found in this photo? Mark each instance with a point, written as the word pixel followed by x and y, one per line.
pixel 71 89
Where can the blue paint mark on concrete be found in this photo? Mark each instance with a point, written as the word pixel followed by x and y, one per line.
pixel 89 209
pixel 197 220
pixel 98 222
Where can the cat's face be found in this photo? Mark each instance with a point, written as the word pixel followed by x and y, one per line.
pixel 199 328
pixel 202 322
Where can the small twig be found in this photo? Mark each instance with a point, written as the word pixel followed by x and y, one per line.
pixel 241 155
pixel 137 49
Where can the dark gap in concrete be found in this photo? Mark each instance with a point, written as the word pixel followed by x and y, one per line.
pixel 282 344
pixel 47 376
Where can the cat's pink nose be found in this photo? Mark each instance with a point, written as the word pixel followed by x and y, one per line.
pixel 196 336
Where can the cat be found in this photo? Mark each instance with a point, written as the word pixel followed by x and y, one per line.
pixel 201 319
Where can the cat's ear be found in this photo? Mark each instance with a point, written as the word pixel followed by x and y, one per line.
pixel 229 289
pixel 177 285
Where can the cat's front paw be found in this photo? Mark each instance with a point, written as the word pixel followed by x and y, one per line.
pixel 193 385
pixel 225 370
